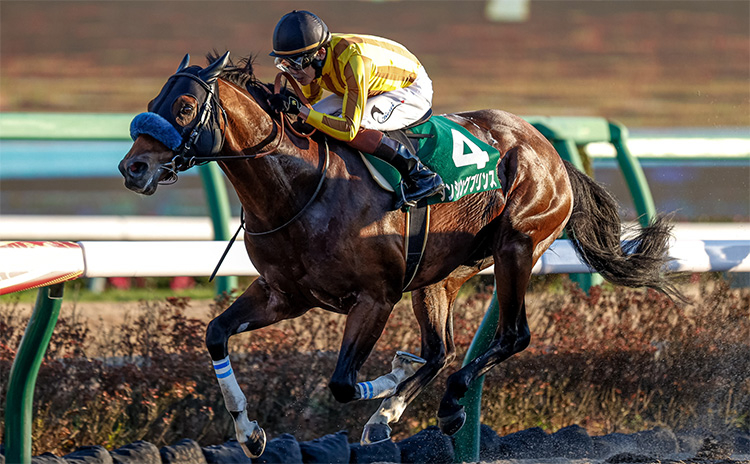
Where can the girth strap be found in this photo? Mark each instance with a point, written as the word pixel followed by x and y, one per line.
pixel 415 239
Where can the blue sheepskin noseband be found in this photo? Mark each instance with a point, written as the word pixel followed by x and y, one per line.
pixel 157 127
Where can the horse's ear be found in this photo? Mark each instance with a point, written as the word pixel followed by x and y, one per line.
pixel 184 63
pixel 212 71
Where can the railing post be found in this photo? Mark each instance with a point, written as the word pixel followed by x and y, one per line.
pixel 218 204
pixel 634 176
pixel 568 151
pixel 23 373
pixel 467 439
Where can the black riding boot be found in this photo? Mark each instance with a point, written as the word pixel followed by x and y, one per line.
pixel 419 181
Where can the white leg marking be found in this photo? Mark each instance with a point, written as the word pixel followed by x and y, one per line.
pixel 381 387
pixel 244 427
pixel 390 411
pixel 236 403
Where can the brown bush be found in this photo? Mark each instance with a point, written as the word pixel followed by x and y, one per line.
pixel 614 360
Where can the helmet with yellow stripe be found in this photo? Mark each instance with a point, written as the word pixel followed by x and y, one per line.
pixel 297 36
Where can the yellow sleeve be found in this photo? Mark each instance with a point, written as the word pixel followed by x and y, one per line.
pixel 356 74
pixel 313 92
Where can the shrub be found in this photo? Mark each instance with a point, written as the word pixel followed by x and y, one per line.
pixel 614 360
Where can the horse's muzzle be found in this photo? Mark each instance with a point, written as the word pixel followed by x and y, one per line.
pixel 140 176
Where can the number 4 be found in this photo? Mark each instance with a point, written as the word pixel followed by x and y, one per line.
pixel 475 156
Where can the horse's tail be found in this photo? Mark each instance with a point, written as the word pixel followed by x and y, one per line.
pixel 595 230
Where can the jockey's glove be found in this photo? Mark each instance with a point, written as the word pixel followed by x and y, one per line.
pixel 284 104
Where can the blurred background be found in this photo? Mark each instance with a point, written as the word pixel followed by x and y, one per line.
pixel 665 68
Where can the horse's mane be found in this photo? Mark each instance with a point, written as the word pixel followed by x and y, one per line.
pixel 242 74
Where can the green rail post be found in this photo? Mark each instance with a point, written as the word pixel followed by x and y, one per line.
pixel 633 173
pixel 467 439
pixel 23 373
pixel 568 150
pixel 218 204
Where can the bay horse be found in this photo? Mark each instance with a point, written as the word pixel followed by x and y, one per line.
pixel 321 233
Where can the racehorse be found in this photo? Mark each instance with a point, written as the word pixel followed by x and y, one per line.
pixel 322 234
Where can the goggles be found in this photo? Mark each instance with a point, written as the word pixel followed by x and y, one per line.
pixel 288 64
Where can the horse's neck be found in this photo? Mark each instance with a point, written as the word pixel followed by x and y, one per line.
pixel 270 185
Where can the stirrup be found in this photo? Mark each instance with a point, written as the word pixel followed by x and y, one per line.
pixel 401 202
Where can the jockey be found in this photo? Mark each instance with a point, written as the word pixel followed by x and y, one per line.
pixel 376 85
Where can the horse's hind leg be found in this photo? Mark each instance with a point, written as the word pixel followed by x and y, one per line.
pixel 403 366
pixel 258 307
pixel 539 203
pixel 513 263
pixel 433 307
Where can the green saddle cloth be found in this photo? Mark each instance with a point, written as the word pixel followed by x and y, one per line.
pixel 466 164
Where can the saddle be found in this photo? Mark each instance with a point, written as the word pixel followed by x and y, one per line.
pixel 466 164
pixel 441 145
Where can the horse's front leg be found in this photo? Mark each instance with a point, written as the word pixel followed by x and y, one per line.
pixel 259 306
pixel 364 324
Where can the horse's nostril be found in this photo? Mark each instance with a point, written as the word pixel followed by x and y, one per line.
pixel 137 167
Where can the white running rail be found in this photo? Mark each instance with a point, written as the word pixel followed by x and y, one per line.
pixel 162 228
pixel 25 265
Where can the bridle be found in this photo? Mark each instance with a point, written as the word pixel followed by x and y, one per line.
pixel 180 162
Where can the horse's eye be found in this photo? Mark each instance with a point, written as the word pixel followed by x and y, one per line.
pixel 184 110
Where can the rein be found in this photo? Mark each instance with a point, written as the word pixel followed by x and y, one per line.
pixel 268 232
pixel 284 122
pixel 309 202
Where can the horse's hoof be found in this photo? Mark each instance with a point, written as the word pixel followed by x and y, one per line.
pixel 375 433
pixel 410 363
pixel 250 435
pixel 453 423
pixel 410 358
pixel 255 444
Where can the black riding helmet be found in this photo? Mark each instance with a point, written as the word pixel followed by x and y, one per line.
pixel 299 34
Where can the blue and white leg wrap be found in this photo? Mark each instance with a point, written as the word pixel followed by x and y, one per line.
pixel 381 387
pixel 366 391
pixel 223 368
pixel 403 365
pixel 234 399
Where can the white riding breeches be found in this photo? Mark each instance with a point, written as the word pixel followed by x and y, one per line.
pixel 390 110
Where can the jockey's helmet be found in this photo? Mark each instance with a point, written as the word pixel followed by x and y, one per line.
pixel 298 35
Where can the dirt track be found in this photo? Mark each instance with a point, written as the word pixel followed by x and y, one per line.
pixel 430 446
